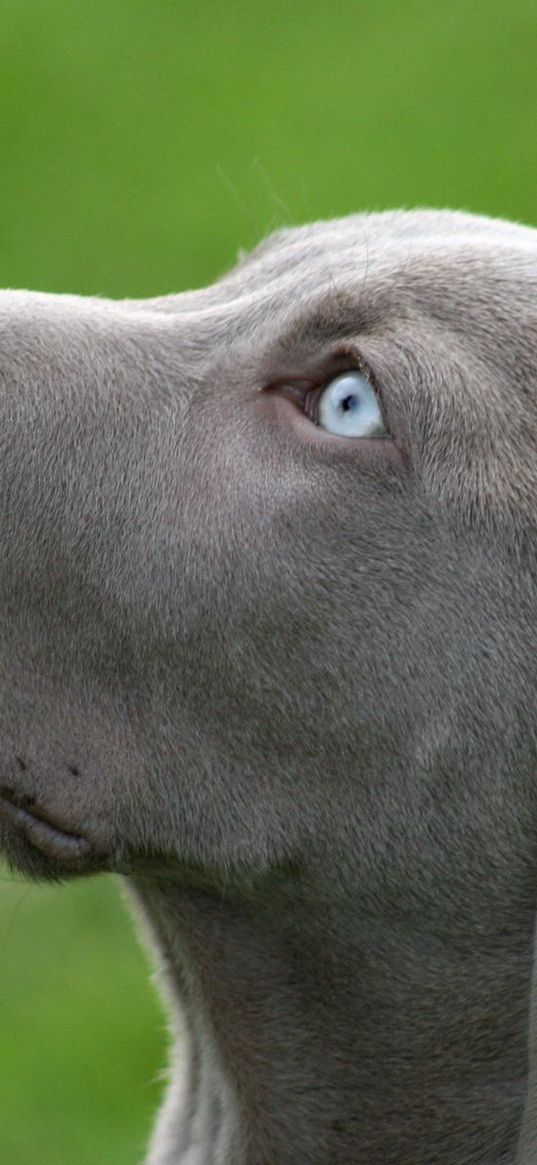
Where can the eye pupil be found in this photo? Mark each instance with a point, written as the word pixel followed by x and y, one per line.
pixel 348 403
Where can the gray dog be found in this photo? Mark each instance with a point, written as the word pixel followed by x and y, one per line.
pixel 268 570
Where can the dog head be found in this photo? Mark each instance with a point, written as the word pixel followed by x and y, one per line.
pixel 267 568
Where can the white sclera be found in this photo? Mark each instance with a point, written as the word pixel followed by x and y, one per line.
pixel 348 407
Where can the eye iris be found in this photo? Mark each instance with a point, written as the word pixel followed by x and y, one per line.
pixel 348 406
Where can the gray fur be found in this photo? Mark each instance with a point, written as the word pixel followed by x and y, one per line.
pixel 286 682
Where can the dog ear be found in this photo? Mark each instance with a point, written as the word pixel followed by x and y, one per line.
pixel 527 1145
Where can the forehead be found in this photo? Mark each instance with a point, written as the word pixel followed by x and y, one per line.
pixel 374 269
pixel 404 272
pixel 384 242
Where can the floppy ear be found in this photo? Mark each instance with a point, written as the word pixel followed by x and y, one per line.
pixel 527 1145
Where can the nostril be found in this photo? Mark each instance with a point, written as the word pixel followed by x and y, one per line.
pixel 21 763
pixel 73 770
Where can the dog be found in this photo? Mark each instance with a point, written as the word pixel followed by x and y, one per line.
pixel 268 579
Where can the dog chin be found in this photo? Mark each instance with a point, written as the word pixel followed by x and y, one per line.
pixel 38 848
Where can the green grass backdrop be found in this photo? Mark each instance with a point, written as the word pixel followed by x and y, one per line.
pixel 142 143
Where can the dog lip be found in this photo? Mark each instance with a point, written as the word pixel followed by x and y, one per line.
pixel 45 835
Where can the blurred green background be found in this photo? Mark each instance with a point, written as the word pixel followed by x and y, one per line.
pixel 142 144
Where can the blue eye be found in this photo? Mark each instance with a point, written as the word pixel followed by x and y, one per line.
pixel 348 407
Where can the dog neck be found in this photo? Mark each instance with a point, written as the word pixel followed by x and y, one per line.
pixel 307 1029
